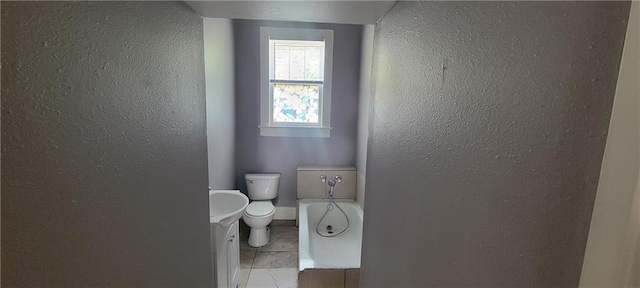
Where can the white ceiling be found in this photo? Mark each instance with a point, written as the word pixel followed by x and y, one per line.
pixel 344 12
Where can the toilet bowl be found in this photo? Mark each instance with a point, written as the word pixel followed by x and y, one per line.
pixel 261 188
pixel 258 216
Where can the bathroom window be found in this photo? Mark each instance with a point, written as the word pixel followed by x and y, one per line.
pixel 295 81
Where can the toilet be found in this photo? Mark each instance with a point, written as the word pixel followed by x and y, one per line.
pixel 262 188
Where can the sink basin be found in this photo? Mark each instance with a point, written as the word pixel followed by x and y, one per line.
pixel 226 206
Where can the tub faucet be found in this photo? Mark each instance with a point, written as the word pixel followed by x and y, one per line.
pixel 334 181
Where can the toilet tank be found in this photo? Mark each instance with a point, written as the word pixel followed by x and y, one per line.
pixel 262 186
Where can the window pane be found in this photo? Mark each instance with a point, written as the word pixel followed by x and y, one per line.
pixel 297 60
pixel 296 103
pixel 296 66
pixel 281 64
pixel 314 58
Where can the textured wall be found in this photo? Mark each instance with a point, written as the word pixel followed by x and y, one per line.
pixel 255 153
pixel 219 67
pixel 489 124
pixel 104 179
pixel 620 173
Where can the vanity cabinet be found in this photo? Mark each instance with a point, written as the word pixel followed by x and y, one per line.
pixel 226 255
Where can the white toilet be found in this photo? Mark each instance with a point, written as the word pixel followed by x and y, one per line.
pixel 262 189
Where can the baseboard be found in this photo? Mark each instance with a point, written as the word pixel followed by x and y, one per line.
pixel 285 213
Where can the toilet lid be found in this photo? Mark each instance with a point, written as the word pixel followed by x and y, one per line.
pixel 259 208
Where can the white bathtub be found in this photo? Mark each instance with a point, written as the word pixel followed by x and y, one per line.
pixel 340 252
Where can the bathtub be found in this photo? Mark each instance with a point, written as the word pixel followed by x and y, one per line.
pixel 340 252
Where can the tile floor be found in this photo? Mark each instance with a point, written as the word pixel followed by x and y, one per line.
pixel 272 265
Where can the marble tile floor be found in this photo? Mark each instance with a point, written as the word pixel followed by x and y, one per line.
pixel 272 265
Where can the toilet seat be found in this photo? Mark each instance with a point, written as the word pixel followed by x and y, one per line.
pixel 259 208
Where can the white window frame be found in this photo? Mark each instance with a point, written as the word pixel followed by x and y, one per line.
pixel 267 126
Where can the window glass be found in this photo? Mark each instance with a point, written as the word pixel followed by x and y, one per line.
pixel 297 60
pixel 296 103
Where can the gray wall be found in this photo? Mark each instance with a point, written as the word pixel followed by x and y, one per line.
pixel 489 124
pixel 104 179
pixel 255 153
pixel 219 74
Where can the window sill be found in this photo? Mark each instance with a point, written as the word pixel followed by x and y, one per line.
pixel 295 131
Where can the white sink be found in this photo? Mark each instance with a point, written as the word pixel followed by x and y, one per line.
pixel 226 206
